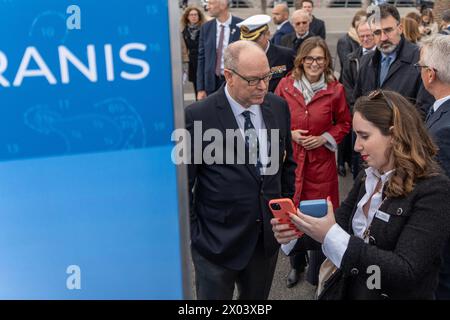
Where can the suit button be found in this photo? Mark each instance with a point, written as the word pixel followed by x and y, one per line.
pixel 258 221
pixel 354 271
pixel 399 211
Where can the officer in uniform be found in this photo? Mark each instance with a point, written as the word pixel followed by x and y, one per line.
pixel 281 59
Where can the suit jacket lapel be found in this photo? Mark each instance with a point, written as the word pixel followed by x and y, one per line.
pixel 228 121
pixel 443 109
pixel 270 122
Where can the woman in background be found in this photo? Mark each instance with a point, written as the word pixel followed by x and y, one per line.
pixel 320 118
pixel 191 22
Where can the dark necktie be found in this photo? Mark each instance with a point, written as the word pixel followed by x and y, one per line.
pixel 430 113
pixel 385 64
pixel 251 140
pixel 219 51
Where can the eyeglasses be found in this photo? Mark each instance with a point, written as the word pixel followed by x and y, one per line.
pixel 301 22
pixel 309 60
pixel 379 93
pixel 387 31
pixel 418 66
pixel 254 81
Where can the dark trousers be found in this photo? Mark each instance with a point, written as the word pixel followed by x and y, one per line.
pixel 316 257
pixel 299 260
pixel 214 282
pixel 345 151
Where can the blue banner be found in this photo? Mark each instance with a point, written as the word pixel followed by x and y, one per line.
pixel 88 194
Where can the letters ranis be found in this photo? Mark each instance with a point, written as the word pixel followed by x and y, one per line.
pixel 34 65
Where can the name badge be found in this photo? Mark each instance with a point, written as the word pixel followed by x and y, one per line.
pixel 383 216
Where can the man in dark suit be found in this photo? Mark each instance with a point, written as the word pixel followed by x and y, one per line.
pixel 391 65
pixel 281 59
pixel 280 16
pixel 215 35
pixel 301 21
pixel 434 65
pixel 231 236
pixel 317 26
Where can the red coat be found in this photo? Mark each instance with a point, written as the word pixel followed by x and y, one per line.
pixel 316 173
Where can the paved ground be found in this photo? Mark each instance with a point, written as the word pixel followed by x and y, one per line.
pixel 337 22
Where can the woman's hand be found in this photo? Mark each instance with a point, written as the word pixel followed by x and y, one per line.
pixel 298 136
pixel 316 228
pixel 283 232
pixel 313 142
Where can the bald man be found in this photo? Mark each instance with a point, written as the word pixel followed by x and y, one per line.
pixel 231 236
pixel 280 17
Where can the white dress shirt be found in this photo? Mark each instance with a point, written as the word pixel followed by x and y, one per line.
pixel 336 240
pixel 440 102
pixel 226 37
pixel 258 122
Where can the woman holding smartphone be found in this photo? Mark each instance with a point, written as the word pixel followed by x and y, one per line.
pixel 320 119
pixel 396 219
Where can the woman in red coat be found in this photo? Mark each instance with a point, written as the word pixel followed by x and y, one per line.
pixel 320 119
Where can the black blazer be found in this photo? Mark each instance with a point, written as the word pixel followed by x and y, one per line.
pixel 406 248
pixel 206 70
pixel 439 127
pixel 281 61
pixel 228 201
pixel 317 27
pixel 402 77
pixel 290 40
pixel 285 29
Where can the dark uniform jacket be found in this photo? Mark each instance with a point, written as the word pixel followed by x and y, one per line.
pixel 281 61
pixel 402 77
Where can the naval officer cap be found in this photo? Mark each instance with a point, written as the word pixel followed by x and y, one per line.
pixel 254 26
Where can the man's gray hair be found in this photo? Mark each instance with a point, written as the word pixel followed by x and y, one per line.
pixel 437 55
pixel 300 13
pixel 233 51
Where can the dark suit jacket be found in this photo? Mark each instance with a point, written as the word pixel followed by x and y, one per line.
pixel 281 61
pixel 228 201
pixel 406 248
pixel 439 127
pixel 317 27
pixel 290 40
pixel 206 70
pixel 285 29
pixel 402 77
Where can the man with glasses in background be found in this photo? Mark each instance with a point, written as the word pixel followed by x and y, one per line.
pixel 231 236
pixel 300 20
pixel 391 65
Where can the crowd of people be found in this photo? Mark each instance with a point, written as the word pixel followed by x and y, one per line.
pixel 384 118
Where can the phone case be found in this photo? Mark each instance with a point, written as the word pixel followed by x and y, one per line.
pixel 286 206
pixel 315 208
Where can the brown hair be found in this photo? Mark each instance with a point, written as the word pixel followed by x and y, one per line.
pixel 411 30
pixel 358 16
pixel 413 150
pixel 429 13
pixel 307 46
pixel 185 16
pixel 415 16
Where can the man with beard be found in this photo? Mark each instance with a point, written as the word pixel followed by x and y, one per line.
pixel 391 65
pixel 280 16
